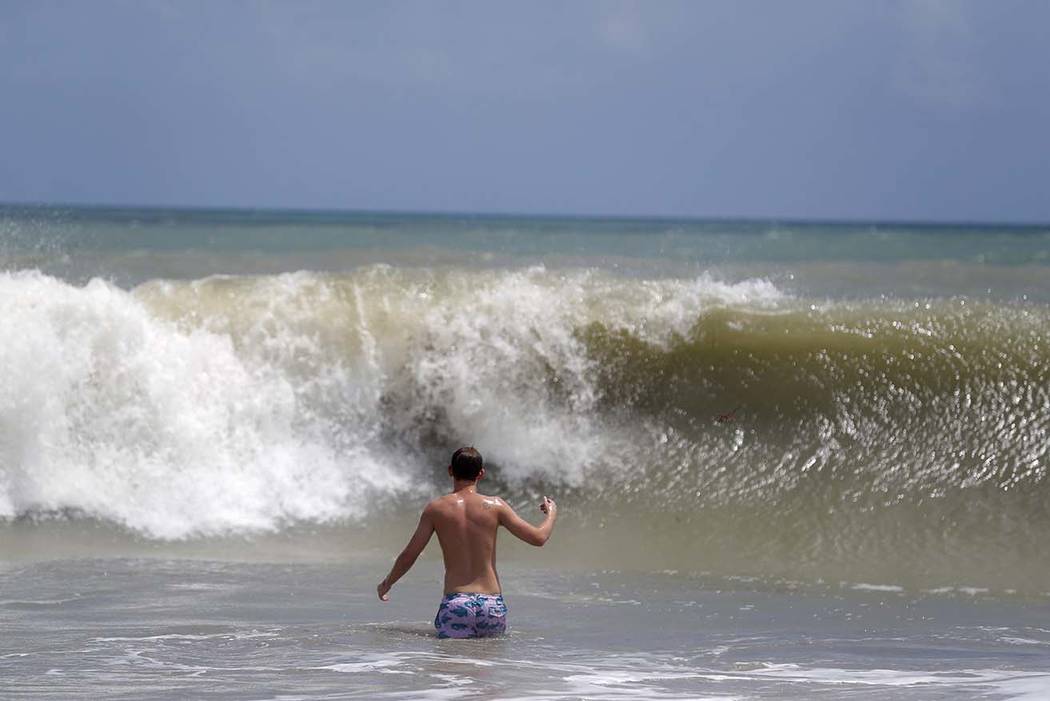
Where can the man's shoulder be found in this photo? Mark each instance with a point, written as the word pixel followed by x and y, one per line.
pixel 494 503
pixel 446 501
pixel 441 502
pixel 435 503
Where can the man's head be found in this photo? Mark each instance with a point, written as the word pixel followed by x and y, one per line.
pixel 467 464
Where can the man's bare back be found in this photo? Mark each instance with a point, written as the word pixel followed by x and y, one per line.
pixel 466 523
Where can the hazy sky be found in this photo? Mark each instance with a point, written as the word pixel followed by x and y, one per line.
pixel 838 109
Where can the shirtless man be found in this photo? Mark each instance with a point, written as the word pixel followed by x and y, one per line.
pixel 466 524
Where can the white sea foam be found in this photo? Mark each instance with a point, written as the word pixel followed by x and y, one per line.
pixel 109 410
pixel 240 404
pixel 1016 685
pixel 862 586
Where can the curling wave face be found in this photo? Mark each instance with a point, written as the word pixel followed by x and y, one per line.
pixel 242 404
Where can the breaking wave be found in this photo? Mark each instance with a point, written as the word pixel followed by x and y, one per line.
pixel 242 404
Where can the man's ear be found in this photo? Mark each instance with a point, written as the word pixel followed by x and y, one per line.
pixel 481 473
pixel 449 470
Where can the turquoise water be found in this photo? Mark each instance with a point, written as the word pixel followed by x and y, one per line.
pixel 276 241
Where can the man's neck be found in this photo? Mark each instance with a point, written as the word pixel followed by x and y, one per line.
pixel 467 486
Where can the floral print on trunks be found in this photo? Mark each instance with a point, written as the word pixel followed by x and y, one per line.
pixel 466 615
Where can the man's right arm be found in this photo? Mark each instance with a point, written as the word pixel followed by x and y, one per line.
pixel 520 528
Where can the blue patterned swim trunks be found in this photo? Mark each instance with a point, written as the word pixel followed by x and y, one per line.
pixel 464 615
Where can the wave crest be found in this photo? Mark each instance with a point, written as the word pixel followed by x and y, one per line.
pixel 234 404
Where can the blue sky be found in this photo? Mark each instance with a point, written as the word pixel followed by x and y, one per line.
pixel 922 110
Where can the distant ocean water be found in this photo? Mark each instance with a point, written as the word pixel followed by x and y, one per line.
pixel 287 386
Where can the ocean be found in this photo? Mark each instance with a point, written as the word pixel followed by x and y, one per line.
pixel 792 459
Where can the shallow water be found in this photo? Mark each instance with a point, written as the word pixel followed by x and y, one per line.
pixel 155 628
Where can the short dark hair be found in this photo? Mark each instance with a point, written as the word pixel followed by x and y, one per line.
pixel 467 463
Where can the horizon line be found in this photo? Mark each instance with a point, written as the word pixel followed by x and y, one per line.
pixel 506 214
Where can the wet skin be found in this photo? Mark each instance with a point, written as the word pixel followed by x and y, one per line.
pixel 466 524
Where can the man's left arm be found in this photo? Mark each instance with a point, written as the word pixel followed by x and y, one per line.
pixel 408 556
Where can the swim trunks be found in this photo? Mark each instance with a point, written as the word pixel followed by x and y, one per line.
pixel 465 615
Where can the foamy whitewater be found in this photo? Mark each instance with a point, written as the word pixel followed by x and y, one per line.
pixel 216 429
